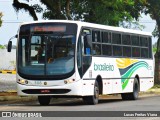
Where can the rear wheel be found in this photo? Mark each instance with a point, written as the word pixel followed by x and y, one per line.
pixel 92 100
pixel 134 94
pixel 44 100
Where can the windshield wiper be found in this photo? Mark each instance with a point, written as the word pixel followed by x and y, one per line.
pixel 60 35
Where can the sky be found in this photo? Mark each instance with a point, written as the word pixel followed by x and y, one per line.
pixel 12 20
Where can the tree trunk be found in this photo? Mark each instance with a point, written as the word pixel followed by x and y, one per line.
pixel 68 9
pixel 157 62
pixel 58 10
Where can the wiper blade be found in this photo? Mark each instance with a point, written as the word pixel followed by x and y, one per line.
pixel 60 35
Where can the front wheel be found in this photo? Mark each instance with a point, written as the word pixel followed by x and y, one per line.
pixel 134 94
pixel 93 100
pixel 44 100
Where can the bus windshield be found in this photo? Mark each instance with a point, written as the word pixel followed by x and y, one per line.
pixel 46 54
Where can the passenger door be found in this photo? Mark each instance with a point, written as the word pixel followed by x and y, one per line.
pixel 84 49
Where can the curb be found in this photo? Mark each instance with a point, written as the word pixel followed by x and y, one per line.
pixel 7 71
pixel 11 95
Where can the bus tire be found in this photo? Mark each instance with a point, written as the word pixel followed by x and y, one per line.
pixel 44 100
pixel 134 94
pixel 92 100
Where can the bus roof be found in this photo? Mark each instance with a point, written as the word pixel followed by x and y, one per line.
pixel 86 24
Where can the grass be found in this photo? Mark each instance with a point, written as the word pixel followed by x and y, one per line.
pixel 156 86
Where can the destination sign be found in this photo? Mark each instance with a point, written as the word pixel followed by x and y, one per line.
pixel 48 29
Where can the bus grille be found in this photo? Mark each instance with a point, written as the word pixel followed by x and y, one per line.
pixel 46 91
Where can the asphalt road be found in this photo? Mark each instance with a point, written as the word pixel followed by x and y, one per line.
pixel 150 103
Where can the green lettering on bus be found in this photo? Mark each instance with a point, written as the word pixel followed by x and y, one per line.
pixel 103 67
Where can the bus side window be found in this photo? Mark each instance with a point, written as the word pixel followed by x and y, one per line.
pixel 96 42
pixel 127 51
pixel 106 37
pixel 107 50
pixel 96 36
pixel 144 52
pixel 117 50
pixel 87 46
pixel 96 49
pixel 144 41
pixel 150 47
pixel 116 38
pixel 79 57
pixel 135 52
pixel 126 39
pixel 135 40
pixel 86 42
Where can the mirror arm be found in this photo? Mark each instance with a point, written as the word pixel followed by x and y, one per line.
pixel 16 36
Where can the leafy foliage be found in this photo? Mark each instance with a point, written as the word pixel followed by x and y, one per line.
pixel 152 7
pixel 18 6
pixel 112 12
pixel 155 47
pixel 2 47
pixel 1 18
pixel 108 12
pixel 154 50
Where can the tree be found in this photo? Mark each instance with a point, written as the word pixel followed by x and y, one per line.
pixel 2 47
pixel 107 11
pixel 154 47
pixel 152 7
pixel 19 6
pixel 1 18
pixel 97 11
pixel 55 9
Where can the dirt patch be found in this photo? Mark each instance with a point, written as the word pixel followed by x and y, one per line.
pixel 12 96
pixel 8 93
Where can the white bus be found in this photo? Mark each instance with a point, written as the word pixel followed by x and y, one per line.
pixel 61 58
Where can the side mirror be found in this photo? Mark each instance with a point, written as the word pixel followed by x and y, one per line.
pixel 16 36
pixel 9 46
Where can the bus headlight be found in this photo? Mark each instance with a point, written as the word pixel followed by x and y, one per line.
pixel 22 81
pixel 69 81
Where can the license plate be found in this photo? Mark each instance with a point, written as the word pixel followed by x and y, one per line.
pixel 38 82
pixel 45 91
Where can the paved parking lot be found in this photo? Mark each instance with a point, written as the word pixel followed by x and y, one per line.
pixel 7 82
